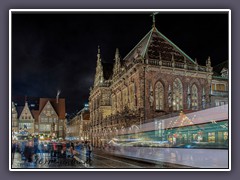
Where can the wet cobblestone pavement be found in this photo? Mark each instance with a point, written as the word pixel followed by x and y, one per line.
pixel 99 160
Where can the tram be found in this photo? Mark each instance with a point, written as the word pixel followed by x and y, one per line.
pixel 199 139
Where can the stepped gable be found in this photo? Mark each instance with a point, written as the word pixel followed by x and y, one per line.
pixel 156 46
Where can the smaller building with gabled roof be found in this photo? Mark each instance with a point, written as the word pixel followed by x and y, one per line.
pixel 219 85
pixel 47 120
pixel 26 120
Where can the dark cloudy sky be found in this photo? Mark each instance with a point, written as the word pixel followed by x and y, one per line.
pixel 58 51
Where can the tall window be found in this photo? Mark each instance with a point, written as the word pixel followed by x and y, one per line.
pixel 159 96
pixel 114 104
pixel 119 99
pixel 177 95
pixel 131 96
pixel 125 96
pixel 194 97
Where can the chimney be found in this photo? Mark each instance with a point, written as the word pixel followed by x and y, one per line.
pixel 58 93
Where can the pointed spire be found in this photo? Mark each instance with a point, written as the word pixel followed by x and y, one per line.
pixel 209 61
pixel 117 54
pixel 99 69
pixel 117 64
pixel 98 54
pixel 208 64
pixel 196 60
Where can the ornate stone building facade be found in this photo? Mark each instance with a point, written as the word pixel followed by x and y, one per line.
pixel 77 128
pixel 154 79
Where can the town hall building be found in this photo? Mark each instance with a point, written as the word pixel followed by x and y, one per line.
pixel 155 78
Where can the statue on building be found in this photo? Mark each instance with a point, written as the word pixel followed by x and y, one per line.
pixel 151 98
pixel 188 98
pixel 203 99
pixel 169 96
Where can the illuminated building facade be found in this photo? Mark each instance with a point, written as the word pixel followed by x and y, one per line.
pixel 51 117
pixel 47 120
pixel 78 126
pixel 26 120
pixel 219 87
pixel 154 79
pixel 14 119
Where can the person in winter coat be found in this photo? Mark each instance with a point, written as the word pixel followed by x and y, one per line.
pixel 41 149
pixel 89 149
pixel 55 149
pixel 28 152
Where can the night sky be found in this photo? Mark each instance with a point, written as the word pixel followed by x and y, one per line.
pixel 58 51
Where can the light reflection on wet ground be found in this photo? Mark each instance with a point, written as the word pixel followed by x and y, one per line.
pixel 99 159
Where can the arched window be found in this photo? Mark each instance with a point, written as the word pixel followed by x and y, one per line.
pixel 159 96
pixel 177 95
pixel 194 97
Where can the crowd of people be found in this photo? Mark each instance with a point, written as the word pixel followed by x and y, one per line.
pixel 31 150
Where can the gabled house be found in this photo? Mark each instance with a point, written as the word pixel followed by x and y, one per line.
pixel 51 117
pixel 219 85
pixel 26 120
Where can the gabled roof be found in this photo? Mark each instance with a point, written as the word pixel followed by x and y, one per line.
pixel 35 114
pixel 19 110
pixel 218 68
pixel 58 107
pixel 26 107
pixel 154 45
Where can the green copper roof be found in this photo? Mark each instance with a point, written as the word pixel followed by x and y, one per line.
pixel 142 40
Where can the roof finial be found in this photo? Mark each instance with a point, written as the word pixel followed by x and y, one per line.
pixel 196 60
pixel 153 18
